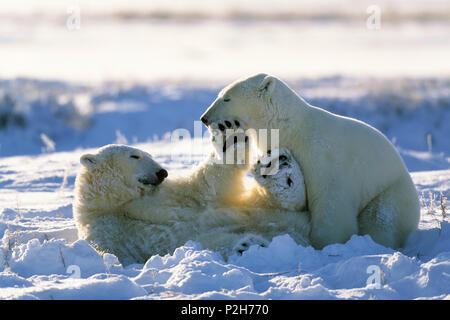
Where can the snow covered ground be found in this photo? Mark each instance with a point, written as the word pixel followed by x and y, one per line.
pixel 133 73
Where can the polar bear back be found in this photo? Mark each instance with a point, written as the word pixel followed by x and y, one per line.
pixel 352 153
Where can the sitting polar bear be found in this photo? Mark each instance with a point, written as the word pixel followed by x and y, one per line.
pixel 356 181
pixel 124 204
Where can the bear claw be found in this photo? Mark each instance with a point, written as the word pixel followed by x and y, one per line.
pixel 245 243
pixel 280 163
pixel 229 138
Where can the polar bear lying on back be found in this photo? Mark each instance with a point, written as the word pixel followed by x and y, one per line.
pixel 355 179
pixel 124 204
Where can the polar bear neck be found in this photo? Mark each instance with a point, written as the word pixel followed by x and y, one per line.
pixel 283 110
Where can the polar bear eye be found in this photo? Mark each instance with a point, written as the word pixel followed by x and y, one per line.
pixel 135 156
pixel 226 99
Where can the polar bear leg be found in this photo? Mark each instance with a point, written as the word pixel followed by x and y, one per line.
pixel 131 240
pixel 392 215
pixel 231 142
pixel 280 175
pixel 219 180
pixel 334 218
pixel 223 174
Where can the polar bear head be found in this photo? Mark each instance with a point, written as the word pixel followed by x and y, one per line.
pixel 257 101
pixel 114 175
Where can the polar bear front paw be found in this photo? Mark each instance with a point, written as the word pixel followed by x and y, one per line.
pixel 231 142
pixel 280 175
pixel 245 243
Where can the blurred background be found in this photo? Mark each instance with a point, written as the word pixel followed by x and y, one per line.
pixel 81 74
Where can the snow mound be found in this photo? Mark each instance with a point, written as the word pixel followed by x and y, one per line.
pixel 54 269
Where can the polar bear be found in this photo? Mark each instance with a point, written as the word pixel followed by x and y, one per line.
pixel 126 205
pixel 356 182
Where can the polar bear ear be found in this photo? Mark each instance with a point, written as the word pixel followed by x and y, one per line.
pixel 90 161
pixel 267 85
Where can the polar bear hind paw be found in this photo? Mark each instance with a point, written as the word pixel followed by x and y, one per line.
pixel 245 243
pixel 281 176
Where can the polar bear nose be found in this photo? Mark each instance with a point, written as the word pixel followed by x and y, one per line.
pixel 204 120
pixel 162 174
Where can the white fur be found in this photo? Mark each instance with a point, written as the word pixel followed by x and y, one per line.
pixel 120 215
pixel 353 174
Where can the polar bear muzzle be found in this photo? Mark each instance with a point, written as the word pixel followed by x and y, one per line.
pixel 150 180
